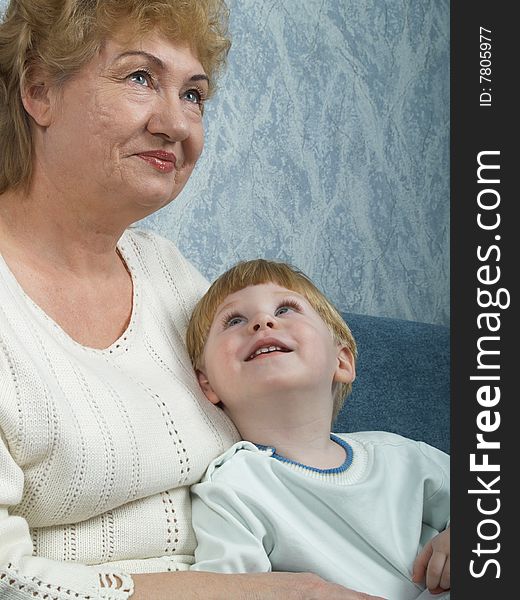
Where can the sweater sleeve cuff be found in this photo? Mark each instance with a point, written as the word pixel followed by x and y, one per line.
pixel 118 586
pixel 111 586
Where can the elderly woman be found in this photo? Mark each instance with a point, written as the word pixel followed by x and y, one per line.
pixel 102 425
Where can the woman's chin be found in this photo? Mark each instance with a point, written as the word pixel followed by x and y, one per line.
pixel 153 198
pixel 152 203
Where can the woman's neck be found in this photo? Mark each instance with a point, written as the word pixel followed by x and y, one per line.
pixel 67 267
pixel 39 230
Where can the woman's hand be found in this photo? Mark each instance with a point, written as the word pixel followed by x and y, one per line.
pixel 241 586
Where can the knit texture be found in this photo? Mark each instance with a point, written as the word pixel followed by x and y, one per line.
pixel 98 448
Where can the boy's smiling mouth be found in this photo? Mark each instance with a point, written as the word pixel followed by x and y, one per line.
pixel 264 347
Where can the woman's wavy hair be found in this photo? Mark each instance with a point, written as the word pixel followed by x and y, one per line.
pixel 255 272
pixel 58 37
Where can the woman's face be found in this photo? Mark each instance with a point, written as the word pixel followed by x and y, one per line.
pixel 126 131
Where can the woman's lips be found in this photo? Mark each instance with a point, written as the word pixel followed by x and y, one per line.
pixel 160 160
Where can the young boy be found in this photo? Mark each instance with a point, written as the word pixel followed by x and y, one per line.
pixel 368 510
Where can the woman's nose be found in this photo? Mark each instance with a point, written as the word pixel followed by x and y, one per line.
pixel 263 322
pixel 169 120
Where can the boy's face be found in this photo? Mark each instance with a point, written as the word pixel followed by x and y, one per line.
pixel 266 339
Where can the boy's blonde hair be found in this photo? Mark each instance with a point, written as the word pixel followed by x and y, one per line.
pixel 255 272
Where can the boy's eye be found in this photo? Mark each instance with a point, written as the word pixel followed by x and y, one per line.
pixel 287 306
pixel 234 320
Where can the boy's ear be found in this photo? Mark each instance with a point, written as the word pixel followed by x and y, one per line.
pixel 205 386
pixel 346 368
pixel 37 99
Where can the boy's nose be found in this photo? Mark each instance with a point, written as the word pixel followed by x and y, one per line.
pixel 263 322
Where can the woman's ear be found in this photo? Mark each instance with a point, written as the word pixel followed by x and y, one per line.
pixel 205 386
pixel 346 367
pixel 37 99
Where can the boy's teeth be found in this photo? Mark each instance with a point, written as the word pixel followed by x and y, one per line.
pixel 265 350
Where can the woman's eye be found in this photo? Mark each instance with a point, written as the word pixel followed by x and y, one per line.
pixel 141 78
pixel 193 96
pixel 283 310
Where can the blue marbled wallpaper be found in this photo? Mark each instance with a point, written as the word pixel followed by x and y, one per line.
pixel 327 146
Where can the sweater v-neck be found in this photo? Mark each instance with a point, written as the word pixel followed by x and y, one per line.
pixel 49 323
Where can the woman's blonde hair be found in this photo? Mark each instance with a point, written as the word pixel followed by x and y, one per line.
pixel 59 37
pixel 255 272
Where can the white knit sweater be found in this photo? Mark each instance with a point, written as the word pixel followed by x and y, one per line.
pixel 98 448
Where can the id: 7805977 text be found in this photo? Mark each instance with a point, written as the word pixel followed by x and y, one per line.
pixel 485 66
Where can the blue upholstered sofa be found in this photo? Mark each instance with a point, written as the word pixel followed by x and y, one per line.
pixel 403 380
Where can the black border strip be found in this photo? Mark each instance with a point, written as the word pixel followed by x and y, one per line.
pixel 483 124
